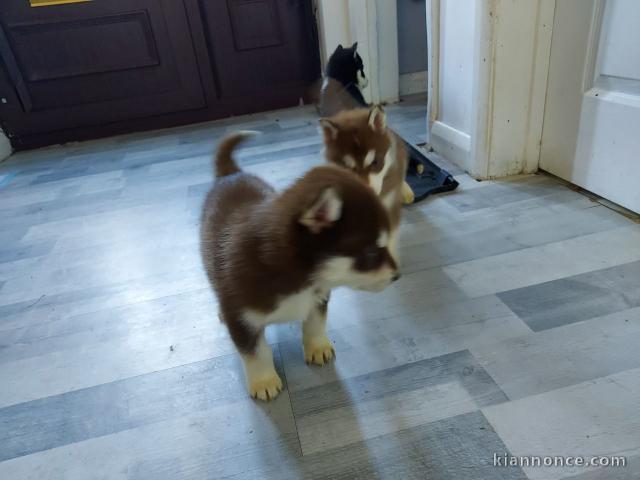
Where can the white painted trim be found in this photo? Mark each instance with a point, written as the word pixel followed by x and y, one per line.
pixel 482 112
pixel 588 79
pixel 374 25
pixel 333 26
pixel 433 64
pixel 451 135
pixel 5 146
pixel 363 28
pixel 386 39
pixel 509 86
pixel 539 79
pixel 511 62
pixel 414 82
pixel 450 142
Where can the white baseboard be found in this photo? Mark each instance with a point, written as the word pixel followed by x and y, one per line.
pixel 411 83
pixel 5 146
pixel 451 143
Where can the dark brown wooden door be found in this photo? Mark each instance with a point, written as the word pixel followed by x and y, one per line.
pixel 264 52
pixel 97 62
pixel 95 68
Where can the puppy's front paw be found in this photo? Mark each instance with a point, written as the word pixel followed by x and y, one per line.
pixel 407 194
pixel 265 388
pixel 318 350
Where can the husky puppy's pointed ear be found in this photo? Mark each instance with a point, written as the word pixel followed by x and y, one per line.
pixel 323 212
pixel 329 129
pixel 377 119
pixel 354 47
pixel 339 48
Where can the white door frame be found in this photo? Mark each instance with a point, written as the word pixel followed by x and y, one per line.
pixel 512 42
pixel 433 64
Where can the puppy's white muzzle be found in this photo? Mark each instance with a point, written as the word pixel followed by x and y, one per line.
pixel 362 80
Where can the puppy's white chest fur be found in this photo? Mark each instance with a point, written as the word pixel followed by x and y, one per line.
pixel 289 309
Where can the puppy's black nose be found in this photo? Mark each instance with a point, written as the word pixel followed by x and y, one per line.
pixel 396 277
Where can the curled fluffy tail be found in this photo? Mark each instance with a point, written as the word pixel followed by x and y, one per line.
pixel 224 164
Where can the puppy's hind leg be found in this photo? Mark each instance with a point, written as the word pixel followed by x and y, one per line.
pixel 317 347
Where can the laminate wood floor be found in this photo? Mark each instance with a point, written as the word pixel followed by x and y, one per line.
pixel 514 330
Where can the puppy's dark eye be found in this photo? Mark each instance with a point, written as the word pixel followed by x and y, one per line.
pixel 370 258
pixel 372 252
pixel 377 163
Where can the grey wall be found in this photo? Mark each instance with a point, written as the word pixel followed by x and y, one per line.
pixel 412 36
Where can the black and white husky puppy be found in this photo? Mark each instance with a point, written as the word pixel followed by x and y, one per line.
pixel 344 75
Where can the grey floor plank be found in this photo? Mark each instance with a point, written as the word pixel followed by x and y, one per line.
pixel 393 341
pixel 577 298
pixel 560 357
pixel 438 220
pixel 27 251
pixel 591 418
pixel 551 261
pixel 154 318
pixel 123 405
pixel 256 447
pixel 205 444
pixel 352 410
pixel 498 194
pixel 461 447
pixel 508 237
pixel 85 364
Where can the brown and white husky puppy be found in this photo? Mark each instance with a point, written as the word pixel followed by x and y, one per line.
pixel 360 141
pixel 274 257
